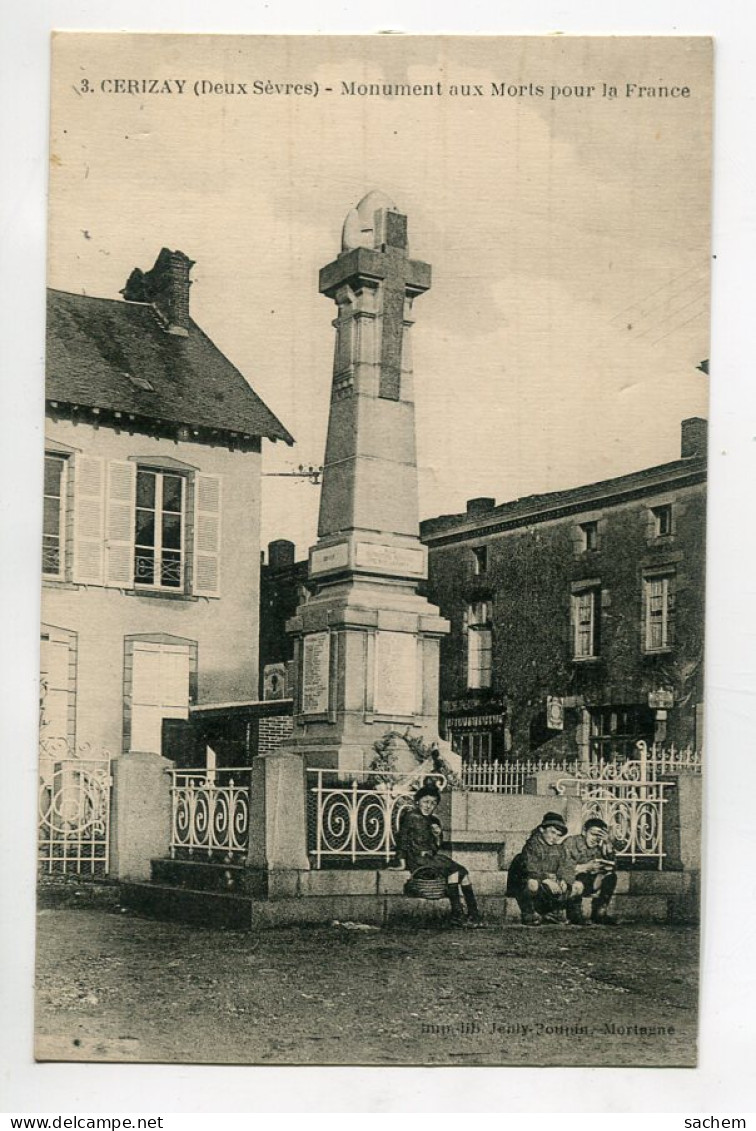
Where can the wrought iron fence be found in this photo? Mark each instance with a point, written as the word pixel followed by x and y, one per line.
pixel 356 816
pixel 74 810
pixel 674 760
pixel 210 813
pixel 507 777
pixel 630 799
pixel 650 762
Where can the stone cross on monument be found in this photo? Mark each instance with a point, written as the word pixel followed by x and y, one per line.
pixel 366 643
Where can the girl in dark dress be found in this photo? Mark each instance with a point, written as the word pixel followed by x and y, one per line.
pixel 418 842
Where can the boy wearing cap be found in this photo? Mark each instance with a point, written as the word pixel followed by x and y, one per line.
pixel 537 875
pixel 418 841
pixel 590 868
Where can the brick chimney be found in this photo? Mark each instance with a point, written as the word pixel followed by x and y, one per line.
pixel 693 438
pixel 480 505
pixel 281 553
pixel 166 288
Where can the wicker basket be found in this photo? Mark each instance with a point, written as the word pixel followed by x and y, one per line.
pixel 425 883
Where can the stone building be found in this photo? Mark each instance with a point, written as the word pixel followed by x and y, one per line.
pixel 151 543
pixel 577 617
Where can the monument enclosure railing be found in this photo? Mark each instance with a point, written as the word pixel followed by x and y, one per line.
pixel 210 814
pixel 631 799
pixel 356 816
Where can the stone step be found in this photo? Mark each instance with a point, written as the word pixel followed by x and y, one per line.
pixel 238 912
pixel 199 875
pixel 184 905
pixel 242 912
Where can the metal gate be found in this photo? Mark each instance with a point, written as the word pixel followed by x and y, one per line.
pixel 74 810
pixel 630 798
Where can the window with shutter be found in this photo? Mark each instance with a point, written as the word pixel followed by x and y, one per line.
pixel 89 520
pixel 207 535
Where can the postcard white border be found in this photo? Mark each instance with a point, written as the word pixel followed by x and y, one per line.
pixel 723 1082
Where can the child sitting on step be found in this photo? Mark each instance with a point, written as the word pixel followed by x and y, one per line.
pixel 418 843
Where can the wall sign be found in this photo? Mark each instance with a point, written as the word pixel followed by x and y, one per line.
pixel 554 712
pixel 274 681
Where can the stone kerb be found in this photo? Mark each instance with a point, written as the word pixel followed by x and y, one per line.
pixel 141 814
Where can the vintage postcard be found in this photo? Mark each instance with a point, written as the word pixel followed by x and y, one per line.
pixel 372 691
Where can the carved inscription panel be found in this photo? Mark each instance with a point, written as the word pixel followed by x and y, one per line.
pixel 315 673
pixel 395 673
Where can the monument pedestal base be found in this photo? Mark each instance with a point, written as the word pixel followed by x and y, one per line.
pixel 366 664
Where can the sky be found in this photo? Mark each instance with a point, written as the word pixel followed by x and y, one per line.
pixel 569 236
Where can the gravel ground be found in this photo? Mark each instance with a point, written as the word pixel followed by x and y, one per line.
pixel 112 986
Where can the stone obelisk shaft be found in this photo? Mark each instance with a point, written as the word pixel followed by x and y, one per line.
pixel 366 644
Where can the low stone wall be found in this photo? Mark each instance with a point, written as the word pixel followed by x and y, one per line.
pixel 487 830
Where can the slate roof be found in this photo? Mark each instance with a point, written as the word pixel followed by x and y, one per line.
pixel 541 508
pixel 94 344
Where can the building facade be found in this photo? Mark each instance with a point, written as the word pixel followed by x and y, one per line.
pixel 577 617
pixel 151 541
pixel 283 587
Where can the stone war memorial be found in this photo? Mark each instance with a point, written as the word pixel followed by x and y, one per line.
pixel 310 834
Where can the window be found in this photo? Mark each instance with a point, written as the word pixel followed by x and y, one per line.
pixel 479 645
pixel 662 520
pixel 475 746
pixel 589 535
pixel 150 524
pixel 658 612
pixel 159 534
pixel 480 560
pixel 54 517
pixel 159 677
pixel 615 730
pixel 585 624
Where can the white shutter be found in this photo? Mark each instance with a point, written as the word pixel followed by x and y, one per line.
pixel 174 680
pixel 146 712
pixel 145 679
pixel 54 661
pixel 207 535
pixel 119 524
pixel 160 690
pixel 146 729
pixel 89 517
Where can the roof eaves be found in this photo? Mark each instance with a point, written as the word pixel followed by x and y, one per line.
pixel 607 492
